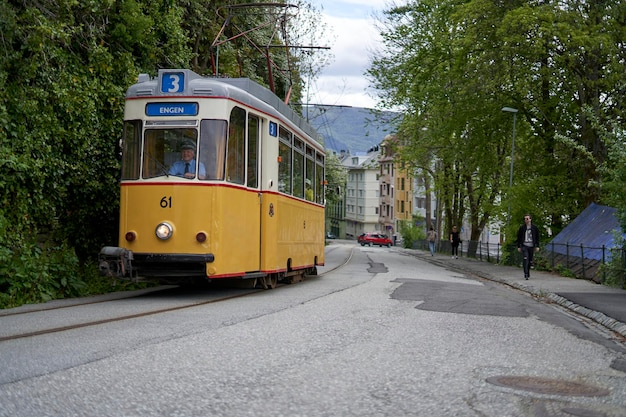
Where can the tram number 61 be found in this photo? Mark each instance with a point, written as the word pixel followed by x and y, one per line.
pixel 166 202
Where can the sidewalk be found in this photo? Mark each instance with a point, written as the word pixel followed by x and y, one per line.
pixel 602 304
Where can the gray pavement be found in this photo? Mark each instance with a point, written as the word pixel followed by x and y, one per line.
pixel 602 304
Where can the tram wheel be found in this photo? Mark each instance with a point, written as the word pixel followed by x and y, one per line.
pixel 269 282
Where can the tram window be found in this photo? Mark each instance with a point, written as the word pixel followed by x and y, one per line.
pixel 284 168
pixel 154 154
pixel 309 192
pixel 298 174
pixel 298 144
pixel 131 150
pixel 319 179
pixel 213 147
pixel 162 149
pixel 253 151
pixel 235 162
pixel 298 167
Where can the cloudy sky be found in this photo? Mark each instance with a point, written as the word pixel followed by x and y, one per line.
pixel 351 27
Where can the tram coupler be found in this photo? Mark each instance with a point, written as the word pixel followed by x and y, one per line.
pixel 115 262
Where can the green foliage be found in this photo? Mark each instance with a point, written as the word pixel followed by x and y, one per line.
pixel 454 66
pixel 32 274
pixel 613 171
pixel 336 177
pixel 564 271
pixel 614 272
pixel 410 232
pixel 64 73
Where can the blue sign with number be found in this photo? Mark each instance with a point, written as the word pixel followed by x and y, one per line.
pixel 173 82
pixel 273 129
pixel 172 109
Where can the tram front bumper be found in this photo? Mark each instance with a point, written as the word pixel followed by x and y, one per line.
pixel 115 262
pixel 123 263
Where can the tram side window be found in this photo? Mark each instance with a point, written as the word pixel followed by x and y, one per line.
pixel 319 178
pixel 131 150
pixel 284 168
pixel 253 151
pixel 235 156
pixel 309 192
pixel 298 169
pixel 213 147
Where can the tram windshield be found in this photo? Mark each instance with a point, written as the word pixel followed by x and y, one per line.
pixel 175 151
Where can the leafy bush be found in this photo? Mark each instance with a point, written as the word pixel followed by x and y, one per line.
pixel 410 233
pixel 30 274
pixel 614 271
pixel 63 80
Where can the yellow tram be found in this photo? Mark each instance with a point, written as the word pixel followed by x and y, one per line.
pixel 220 180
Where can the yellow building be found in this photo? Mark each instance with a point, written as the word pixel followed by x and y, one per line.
pixel 395 188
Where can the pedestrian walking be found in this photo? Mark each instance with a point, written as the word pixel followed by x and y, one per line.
pixel 527 243
pixel 431 237
pixel 455 240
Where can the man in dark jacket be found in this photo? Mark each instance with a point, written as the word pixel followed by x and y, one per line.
pixel 527 242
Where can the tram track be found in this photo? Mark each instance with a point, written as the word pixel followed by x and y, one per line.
pixel 34 321
pixel 105 320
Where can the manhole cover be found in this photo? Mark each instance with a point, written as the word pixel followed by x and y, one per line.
pixel 548 386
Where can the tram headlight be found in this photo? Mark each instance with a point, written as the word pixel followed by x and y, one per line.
pixel 164 231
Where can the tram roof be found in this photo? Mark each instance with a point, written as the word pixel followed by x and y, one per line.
pixel 243 90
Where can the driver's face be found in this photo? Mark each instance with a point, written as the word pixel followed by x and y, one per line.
pixel 187 155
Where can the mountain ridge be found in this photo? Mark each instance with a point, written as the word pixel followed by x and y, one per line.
pixel 351 129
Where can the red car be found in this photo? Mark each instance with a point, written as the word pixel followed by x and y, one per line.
pixel 374 239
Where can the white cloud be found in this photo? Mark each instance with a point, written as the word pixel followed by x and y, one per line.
pixel 342 91
pixel 343 82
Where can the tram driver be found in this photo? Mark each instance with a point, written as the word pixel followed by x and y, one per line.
pixel 186 167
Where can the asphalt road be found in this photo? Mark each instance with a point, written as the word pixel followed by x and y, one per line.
pixel 389 334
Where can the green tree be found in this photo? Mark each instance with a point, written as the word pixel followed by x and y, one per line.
pixel 445 130
pixel 64 71
pixel 336 178
pixel 453 65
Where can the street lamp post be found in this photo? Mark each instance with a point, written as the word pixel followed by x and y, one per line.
pixel 514 111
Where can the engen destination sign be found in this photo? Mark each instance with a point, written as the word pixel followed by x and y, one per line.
pixel 171 109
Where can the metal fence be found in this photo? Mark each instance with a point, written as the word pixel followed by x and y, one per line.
pixel 579 261
pixel 587 262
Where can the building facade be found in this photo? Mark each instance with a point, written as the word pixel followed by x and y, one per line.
pixel 380 194
pixel 361 194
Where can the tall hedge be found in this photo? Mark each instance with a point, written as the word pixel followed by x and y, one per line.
pixel 64 68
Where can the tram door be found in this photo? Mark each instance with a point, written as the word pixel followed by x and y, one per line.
pixel 242 169
pixel 253 182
